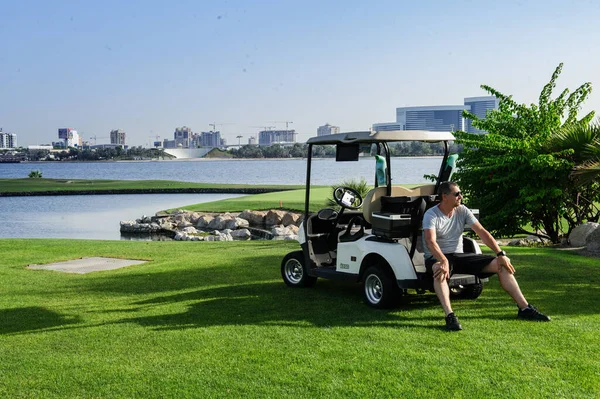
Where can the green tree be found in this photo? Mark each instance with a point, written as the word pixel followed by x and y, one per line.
pixel 513 174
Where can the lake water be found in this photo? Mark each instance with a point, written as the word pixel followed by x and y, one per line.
pixel 259 171
pixel 85 216
pixel 98 216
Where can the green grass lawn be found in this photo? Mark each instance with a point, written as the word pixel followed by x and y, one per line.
pixel 32 185
pixel 292 199
pixel 215 320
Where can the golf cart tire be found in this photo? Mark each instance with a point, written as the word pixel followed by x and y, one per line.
pixel 471 291
pixel 293 271
pixel 380 290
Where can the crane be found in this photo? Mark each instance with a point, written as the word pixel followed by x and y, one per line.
pixel 214 125
pixel 94 137
pixel 265 128
pixel 286 123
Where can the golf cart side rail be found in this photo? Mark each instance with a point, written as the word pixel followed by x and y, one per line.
pixel 383 136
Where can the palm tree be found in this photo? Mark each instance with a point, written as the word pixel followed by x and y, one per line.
pixel 584 140
pixel 579 143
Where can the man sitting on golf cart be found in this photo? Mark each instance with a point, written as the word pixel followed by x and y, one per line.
pixel 443 226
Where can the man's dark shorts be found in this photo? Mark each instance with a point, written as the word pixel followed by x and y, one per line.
pixel 464 264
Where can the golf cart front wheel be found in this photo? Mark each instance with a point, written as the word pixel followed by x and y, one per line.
pixel 379 289
pixel 470 291
pixel 293 271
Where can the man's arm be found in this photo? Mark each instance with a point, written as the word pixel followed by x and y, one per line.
pixel 443 270
pixel 488 239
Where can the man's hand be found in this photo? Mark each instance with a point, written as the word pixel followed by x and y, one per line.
pixel 441 270
pixel 504 263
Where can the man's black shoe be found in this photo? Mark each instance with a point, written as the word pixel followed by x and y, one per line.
pixel 532 314
pixel 452 323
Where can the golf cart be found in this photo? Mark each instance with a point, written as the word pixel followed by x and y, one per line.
pixel 380 245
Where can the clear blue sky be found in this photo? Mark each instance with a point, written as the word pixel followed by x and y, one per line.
pixel 148 67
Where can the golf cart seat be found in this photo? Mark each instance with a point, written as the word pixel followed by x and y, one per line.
pixel 372 201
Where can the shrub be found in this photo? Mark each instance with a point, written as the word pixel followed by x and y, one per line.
pixel 35 174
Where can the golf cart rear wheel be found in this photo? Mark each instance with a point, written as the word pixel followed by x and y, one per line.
pixel 293 271
pixel 379 288
pixel 470 291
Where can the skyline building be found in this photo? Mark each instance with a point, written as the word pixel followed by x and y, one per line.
pixel 8 140
pixel 182 136
pixel 436 118
pixel 327 129
pixel 252 140
pixel 70 137
pixel 117 136
pixel 479 106
pixel 268 137
pixel 211 139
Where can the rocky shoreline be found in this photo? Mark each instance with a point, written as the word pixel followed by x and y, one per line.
pixel 183 225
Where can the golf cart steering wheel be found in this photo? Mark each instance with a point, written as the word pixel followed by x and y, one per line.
pixel 347 197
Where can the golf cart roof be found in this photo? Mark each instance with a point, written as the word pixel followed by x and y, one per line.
pixel 383 136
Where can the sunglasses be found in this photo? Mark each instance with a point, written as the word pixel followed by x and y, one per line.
pixel 456 194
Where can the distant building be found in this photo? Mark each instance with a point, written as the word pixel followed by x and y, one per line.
pixel 8 140
pixel 70 137
pixel 252 140
pixel 327 129
pixel 211 139
pixel 182 137
pixel 439 118
pixel 117 137
pixel 479 106
pixel 269 137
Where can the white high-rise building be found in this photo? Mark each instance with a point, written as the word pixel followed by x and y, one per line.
pixel 327 129
pixel 8 140
pixel 479 106
pixel 70 137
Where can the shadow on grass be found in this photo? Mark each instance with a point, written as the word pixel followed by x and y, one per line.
pixel 274 304
pixel 34 318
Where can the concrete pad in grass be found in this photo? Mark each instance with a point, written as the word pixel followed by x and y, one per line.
pixel 88 265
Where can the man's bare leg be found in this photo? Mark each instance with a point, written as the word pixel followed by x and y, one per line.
pixel 508 282
pixel 443 293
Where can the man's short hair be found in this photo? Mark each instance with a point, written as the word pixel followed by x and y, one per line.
pixel 446 187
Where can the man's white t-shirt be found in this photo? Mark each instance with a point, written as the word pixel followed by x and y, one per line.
pixel 448 230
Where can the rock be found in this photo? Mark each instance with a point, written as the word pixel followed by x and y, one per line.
pixel 209 238
pixel 219 222
pixel 290 218
pixel 223 237
pixel 280 231
pixel 180 236
pixel 274 218
pixel 579 235
pixel 236 223
pixel 254 218
pixel 129 226
pixel 290 238
pixel 203 221
pixel 518 243
pixel 190 230
pixel 293 228
pixel 193 217
pixel 184 225
pixel 241 234
pixel 593 241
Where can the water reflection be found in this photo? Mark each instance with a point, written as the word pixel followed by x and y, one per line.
pixel 85 216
